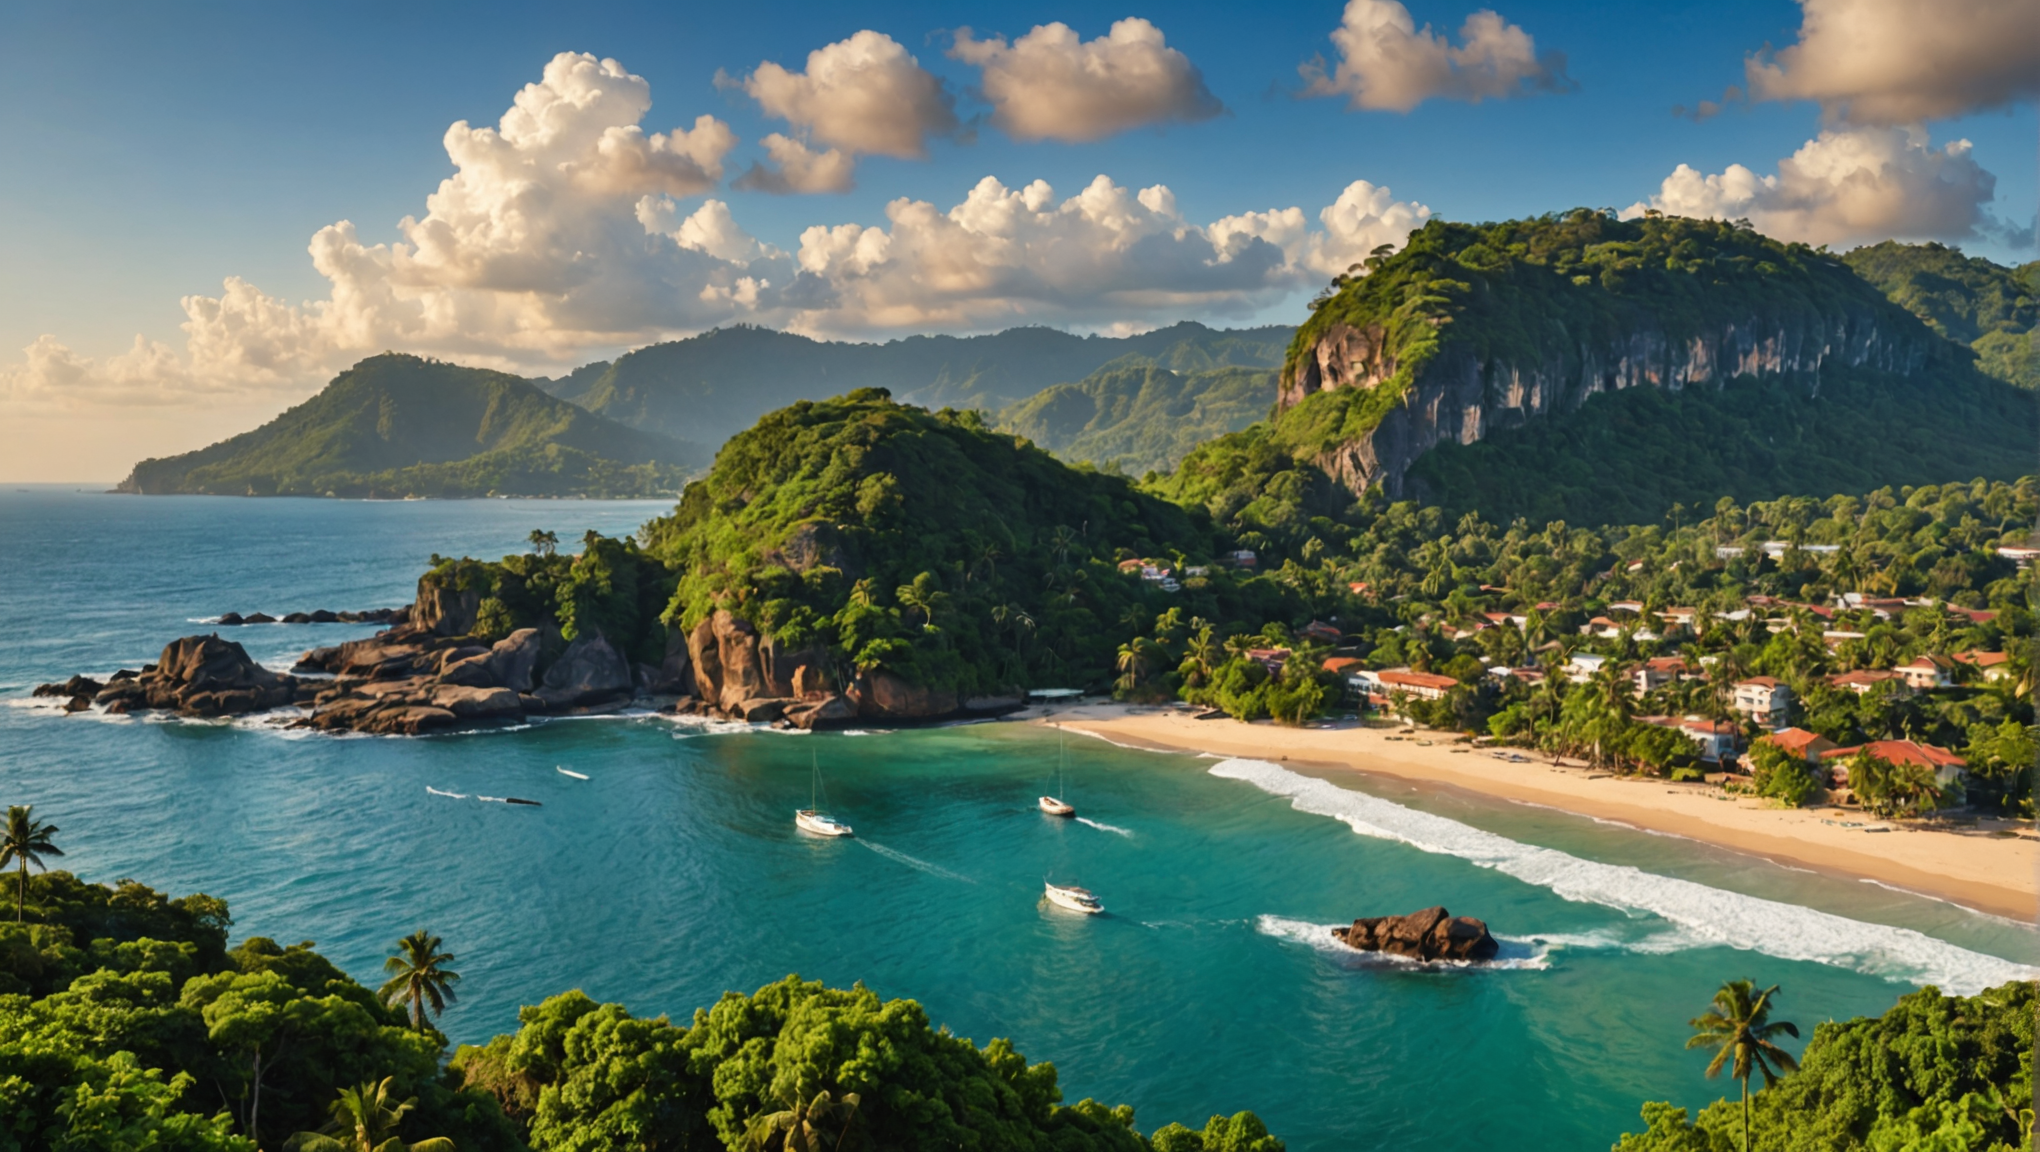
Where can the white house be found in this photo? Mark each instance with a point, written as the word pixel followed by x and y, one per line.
pixel 1764 700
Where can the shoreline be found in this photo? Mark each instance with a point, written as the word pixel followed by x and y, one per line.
pixel 1975 869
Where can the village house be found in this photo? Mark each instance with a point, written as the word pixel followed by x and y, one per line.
pixel 1633 607
pixel 1270 658
pixel 1582 666
pixel 1864 679
pixel 1319 630
pixel 1349 670
pixel 1946 766
pixel 1679 617
pixel 1659 671
pixel 1808 746
pixel 2019 554
pixel 1992 666
pixel 1927 673
pixel 1716 738
pixel 1601 627
pixel 1764 700
pixel 1417 685
pixel 1243 558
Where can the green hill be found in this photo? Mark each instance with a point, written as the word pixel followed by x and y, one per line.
pixel 395 426
pixel 1989 307
pixel 706 389
pixel 1600 371
pixel 1136 416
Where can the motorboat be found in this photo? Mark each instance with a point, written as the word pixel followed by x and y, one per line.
pixel 1073 898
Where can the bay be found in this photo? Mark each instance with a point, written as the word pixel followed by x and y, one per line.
pixel 673 872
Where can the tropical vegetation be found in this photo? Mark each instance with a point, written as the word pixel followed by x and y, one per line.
pixel 1139 417
pixel 1988 307
pixel 128 1023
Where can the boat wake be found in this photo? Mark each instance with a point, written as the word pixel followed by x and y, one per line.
pixel 899 857
pixel 448 795
pixel 1105 827
pixel 1704 916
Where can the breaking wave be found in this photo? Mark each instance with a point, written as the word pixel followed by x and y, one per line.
pixel 1704 916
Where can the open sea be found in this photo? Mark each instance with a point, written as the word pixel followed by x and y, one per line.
pixel 674 872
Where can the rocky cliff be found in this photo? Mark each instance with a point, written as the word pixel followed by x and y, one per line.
pixel 1476 329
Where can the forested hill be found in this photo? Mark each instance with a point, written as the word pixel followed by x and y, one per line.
pixel 708 388
pixel 1988 307
pixel 1585 368
pixel 1135 416
pixel 394 426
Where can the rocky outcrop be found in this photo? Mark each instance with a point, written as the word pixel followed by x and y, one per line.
pixel 1461 395
pixel 1430 934
pixel 320 616
pixel 591 671
pixel 509 663
pixel 200 676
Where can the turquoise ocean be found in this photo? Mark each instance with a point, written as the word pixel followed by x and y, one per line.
pixel 674 873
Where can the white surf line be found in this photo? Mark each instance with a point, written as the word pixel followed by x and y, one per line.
pixel 899 857
pixel 1712 916
pixel 1104 827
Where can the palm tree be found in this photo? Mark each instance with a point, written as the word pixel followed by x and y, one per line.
pixel 544 543
pixel 365 1120
pixel 1739 1028
pixel 798 1126
pixel 419 977
pixel 923 596
pixel 1060 541
pixel 26 841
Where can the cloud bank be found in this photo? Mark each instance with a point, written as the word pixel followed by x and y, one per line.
pixel 1052 85
pixel 1387 62
pixel 1894 62
pixel 567 231
pixel 1847 186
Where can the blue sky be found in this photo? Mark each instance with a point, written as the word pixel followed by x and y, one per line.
pixel 156 150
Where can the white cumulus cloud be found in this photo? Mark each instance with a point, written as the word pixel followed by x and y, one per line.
pixel 1051 84
pixel 1903 61
pixel 1387 62
pixel 1846 186
pixel 795 167
pixel 863 96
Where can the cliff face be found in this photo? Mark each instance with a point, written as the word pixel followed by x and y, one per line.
pixel 1460 395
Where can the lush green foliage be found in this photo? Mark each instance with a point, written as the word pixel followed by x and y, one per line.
pixel 1989 307
pixel 612 588
pixel 1138 417
pixel 709 387
pixel 1782 775
pixel 129 1024
pixel 587 1076
pixel 1626 457
pixel 396 426
pixel 891 537
pixel 1935 1072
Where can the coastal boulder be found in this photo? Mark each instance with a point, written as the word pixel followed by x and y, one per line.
pixel 1427 934
pixel 508 663
pixel 477 703
pixel 590 671
pixel 885 695
pixel 75 686
pixel 830 711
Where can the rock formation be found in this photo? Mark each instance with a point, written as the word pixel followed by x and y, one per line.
pixel 1430 934
pixel 200 676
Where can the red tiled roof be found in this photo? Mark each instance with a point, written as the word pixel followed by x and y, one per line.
pixel 1410 679
pixel 1341 663
pixel 1903 752
pixel 1794 740
pixel 1760 681
pixel 1982 659
pixel 1862 676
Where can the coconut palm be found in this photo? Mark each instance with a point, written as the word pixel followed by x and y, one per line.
pixel 419 977
pixel 797 1127
pixel 1739 1029
pixel 26 841
pixel 924 595
pixel 365 1120
pixel 544 543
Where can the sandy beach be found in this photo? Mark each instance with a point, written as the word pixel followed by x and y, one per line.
pixel 1990 867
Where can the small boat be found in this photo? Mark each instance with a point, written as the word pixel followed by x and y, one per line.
pixel 812 819
pixel 1073 898
pixel 521 800
pixel 448 795
pixel 1056 805
pixel 569 772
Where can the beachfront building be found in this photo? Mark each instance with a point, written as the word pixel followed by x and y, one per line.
pixel 1715 738
pixel 1351 673
pixel 1416 685
pixel 1946 766
pixel 1927 673
pixel 1764 700
pixel 1808 746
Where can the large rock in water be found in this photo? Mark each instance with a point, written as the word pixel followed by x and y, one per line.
pixel 1429 934
pixel 201 676
pixel 590 671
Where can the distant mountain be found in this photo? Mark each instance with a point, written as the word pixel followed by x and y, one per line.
pixel 1988 307
pixel 397 425
pixel 706 389
pixel 1136 416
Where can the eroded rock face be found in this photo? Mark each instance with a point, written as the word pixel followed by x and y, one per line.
pixel 1428 934
pixel 590 671
pixel 887 696
pixel 1461 397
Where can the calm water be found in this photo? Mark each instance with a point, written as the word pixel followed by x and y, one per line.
pixel 674 872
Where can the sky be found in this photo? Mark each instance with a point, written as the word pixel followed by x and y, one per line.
pixel 208 210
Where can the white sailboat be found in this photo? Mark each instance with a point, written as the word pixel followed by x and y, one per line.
pixel 812 819
pixel 1073 898
pixel 1056 805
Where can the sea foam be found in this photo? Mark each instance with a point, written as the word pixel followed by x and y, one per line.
pixel 1705 916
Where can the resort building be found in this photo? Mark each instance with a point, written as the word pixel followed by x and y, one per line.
pixel 1419 685
pixel 1764 700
